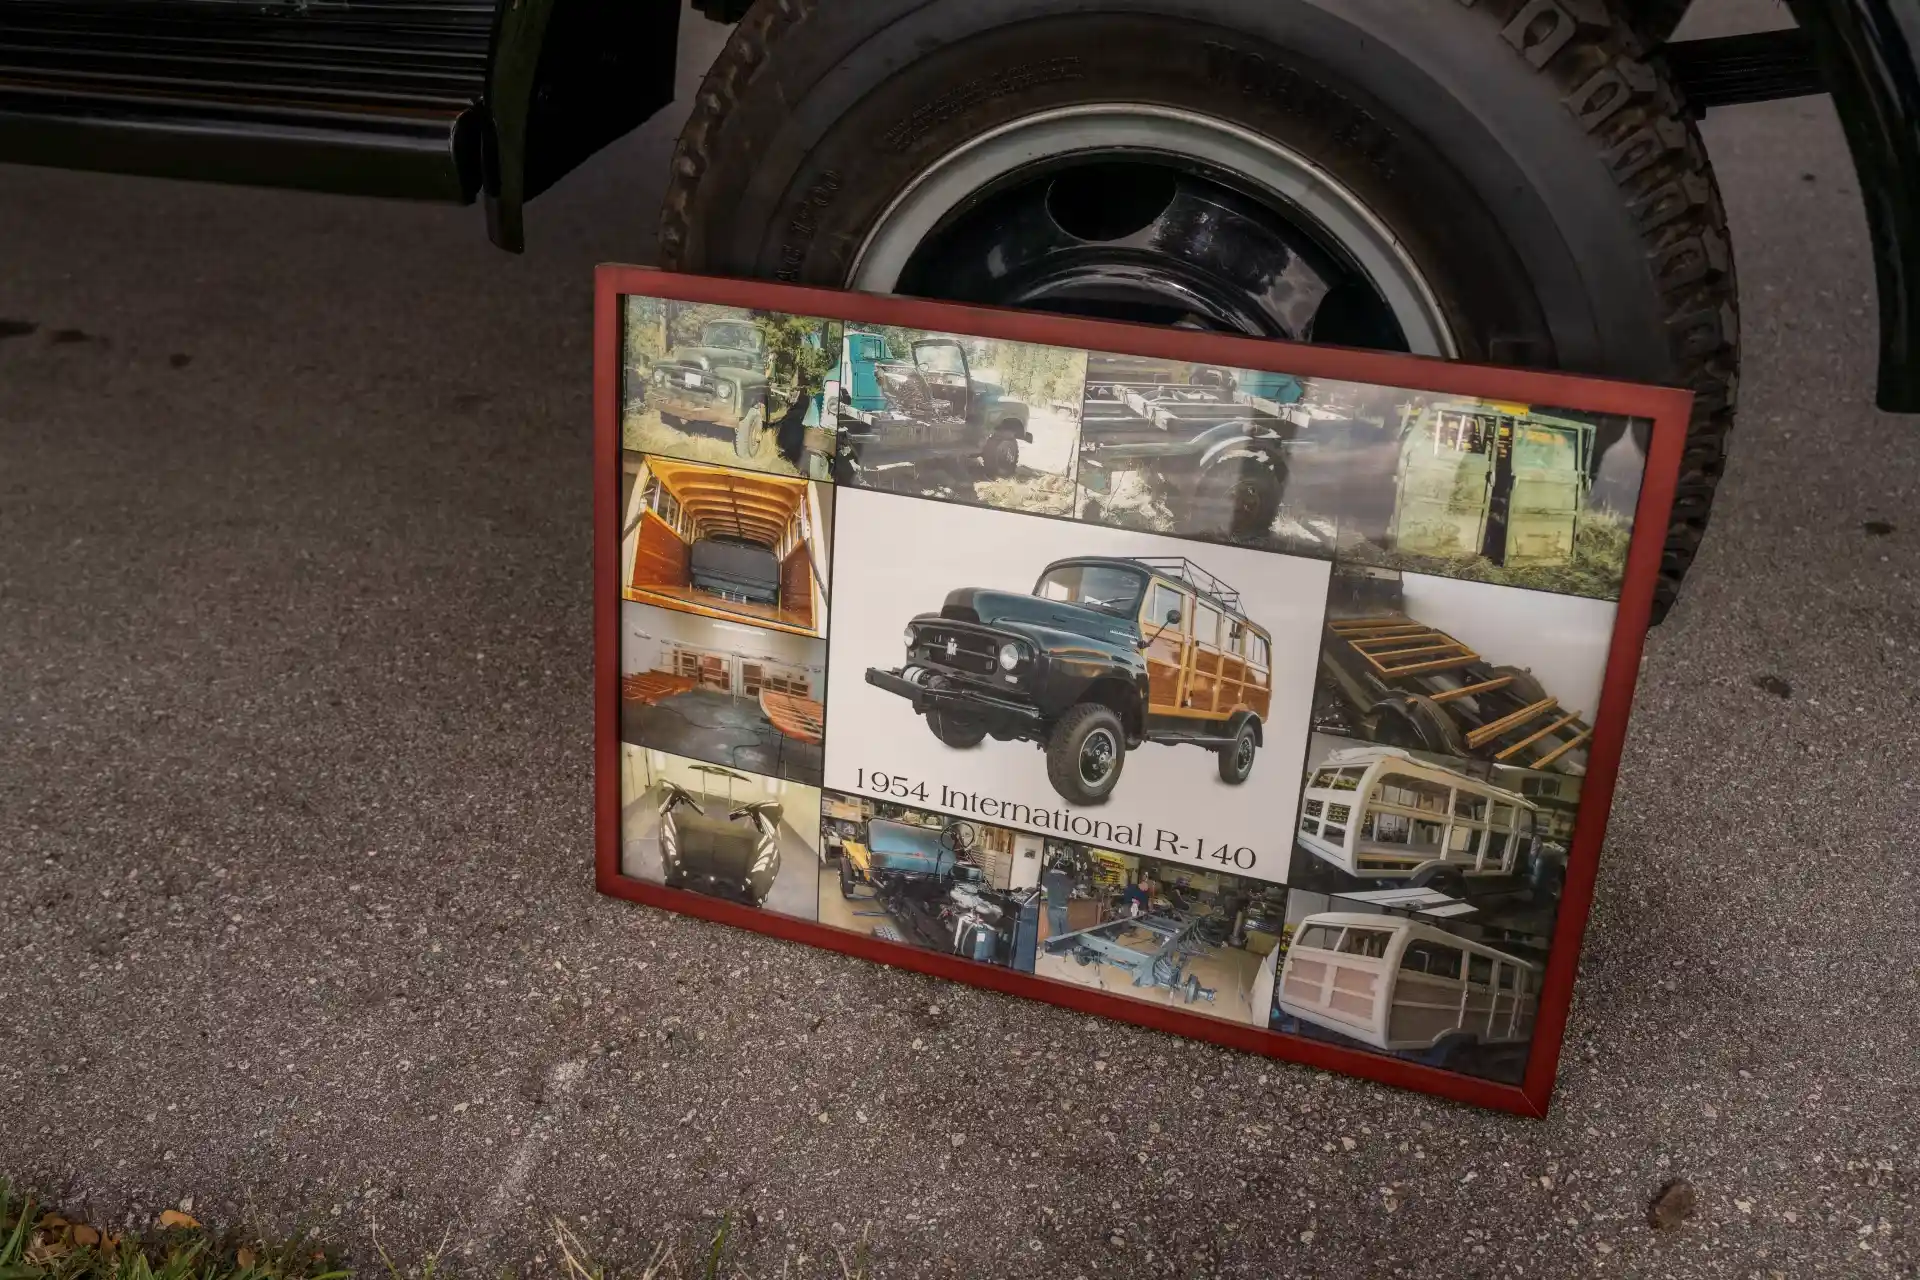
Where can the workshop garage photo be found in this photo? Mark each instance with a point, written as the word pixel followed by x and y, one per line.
pixel 722 692
pixel 931 880
pixel 1463 837
pixel 1184 935
pixel 1426 987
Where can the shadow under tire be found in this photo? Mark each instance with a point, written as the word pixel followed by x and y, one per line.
pixel 1584 229
pixel 957 732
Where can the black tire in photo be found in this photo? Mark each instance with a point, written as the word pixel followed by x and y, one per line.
pixel 1236 758
pixel 746 433
pixel 1415 722
pixel 1086 753
pixel 1453 1051
pixel 1000 455
pixel 1240 496
pixel 1521 683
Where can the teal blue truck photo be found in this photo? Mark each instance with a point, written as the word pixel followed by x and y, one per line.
pixel 926 409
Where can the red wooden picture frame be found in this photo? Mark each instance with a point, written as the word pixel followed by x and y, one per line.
pixel 1667 409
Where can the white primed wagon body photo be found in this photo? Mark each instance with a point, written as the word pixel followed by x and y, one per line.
pixel 1380 814
pixel 1403 986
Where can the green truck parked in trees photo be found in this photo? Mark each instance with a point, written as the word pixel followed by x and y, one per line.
pixel 721 379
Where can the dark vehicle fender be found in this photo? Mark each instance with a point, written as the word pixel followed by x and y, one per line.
pixel 1010 417
pixel 1217 443
pixel 1869 57
pixel 1125 692
pixel 1239 720
pixel 568 77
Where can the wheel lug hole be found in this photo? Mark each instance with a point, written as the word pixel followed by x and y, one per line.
pixel 1100 203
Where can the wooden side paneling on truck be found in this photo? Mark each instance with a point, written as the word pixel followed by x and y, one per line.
pixel 660 559
pixel 796 587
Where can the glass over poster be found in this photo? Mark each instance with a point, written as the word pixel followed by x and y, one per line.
pixel 1263 693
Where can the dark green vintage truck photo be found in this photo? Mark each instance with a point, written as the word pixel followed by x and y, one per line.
pixel 720 380
pixel 1519 182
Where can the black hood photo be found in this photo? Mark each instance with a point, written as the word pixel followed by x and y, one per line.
pixel 1000 608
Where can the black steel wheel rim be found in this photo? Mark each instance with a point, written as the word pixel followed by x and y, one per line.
pixel 1153 215
pixel 1098 753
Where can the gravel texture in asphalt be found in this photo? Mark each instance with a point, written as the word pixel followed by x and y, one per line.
pixel 295 904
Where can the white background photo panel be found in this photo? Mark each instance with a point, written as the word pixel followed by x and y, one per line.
pixel 899 558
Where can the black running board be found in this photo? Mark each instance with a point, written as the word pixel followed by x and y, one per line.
pixel 1730 71
pixel 1192 740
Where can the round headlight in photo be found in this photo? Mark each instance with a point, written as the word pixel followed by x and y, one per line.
pixel 1010 656
pixel 909 637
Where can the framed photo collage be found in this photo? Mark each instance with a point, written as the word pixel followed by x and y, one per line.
pixel 1263 693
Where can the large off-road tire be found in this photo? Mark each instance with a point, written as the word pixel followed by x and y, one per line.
pixel 1539 178
pixel 849 887
pixel 1086 752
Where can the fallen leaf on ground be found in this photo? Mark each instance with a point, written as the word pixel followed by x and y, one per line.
pixel 1672 1204
pixel 244 1257
pixel 174 1218
pixel 85 1235
pixel 53 1222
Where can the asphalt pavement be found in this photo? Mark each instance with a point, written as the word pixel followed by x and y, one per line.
pixel 296 916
